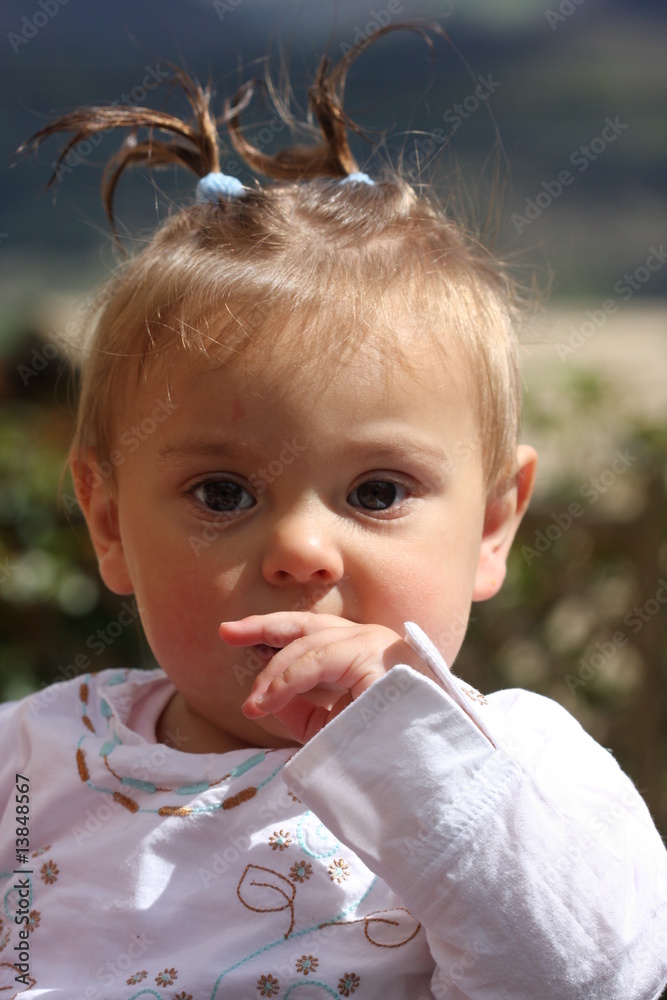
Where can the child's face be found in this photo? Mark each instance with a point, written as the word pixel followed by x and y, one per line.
pixel 360 496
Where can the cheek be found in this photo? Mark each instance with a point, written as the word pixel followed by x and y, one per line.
pixel 182 602
pixel 432 585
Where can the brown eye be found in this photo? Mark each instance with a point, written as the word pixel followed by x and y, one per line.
pixel 223 496
pixel 376 494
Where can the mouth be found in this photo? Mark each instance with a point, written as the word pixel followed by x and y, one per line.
pixel 266 652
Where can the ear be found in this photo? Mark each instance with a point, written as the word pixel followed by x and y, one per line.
pixel 502 518
pixel 96 498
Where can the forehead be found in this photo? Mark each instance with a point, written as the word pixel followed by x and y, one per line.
pixel 333 394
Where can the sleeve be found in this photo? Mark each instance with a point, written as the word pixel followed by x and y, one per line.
pixel 527 854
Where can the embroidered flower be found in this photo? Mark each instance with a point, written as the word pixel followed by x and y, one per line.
pixel 473 694
pixel 280 839
pixel 268 986
pixel 307 964
pixel 183 996
pixel 33 920
pixel 339 870
pixel 301 871
pixel 136 978
pixel 348 983
pixel 167 977
pixel 49 872
pixel 41 850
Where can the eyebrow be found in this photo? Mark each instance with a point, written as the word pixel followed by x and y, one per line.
pixel 375 451
pixel 208 449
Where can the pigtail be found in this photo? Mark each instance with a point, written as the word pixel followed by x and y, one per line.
pixel 331 157
pixel 192 145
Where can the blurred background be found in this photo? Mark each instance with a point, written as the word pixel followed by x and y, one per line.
pixel 575 92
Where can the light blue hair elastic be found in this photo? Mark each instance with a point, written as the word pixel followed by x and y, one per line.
pixel 216 186
pixel 357 178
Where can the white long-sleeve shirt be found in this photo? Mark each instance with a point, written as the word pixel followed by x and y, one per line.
pixel 427 843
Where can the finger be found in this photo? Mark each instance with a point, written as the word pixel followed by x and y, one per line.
pixel 286 656
pixel 303 720
pixel 337 662
pixel 276 629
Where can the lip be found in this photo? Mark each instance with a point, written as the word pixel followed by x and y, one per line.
pixel 266 652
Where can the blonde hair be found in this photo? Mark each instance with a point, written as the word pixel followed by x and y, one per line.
pixel 331 265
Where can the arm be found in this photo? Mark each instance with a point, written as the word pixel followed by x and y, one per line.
pixel 533 864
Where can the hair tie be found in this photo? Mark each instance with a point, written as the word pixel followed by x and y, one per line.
pixel 216 185
pixel 358 178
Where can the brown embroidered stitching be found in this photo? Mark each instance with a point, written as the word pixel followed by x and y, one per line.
pixel 82 767
pixel 125 800
pixel 174 811
pixel 239 798
pixel 288 896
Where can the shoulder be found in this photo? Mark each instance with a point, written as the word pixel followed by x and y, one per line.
pixel 78 695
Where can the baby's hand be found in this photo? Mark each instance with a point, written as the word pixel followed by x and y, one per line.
pixel 333 659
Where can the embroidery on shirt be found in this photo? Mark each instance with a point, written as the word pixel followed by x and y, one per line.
pixel 251 894
pixel 4 938
pixel 309 830
pixel 383 927
pixel 126 800
pixel 268 986
pixel 473 693
pixel 137 978
pixel 339 870
pixel 280 840
pixel 348 983
pixel 236 800
pixel 84 692
pixel 167 977
pixel 301 871
pixel 306 964
pixel 4 985
pixel 49 872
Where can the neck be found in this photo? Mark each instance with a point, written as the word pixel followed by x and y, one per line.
pixel 181 728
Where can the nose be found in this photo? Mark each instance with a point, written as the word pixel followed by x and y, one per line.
pixel 302 549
